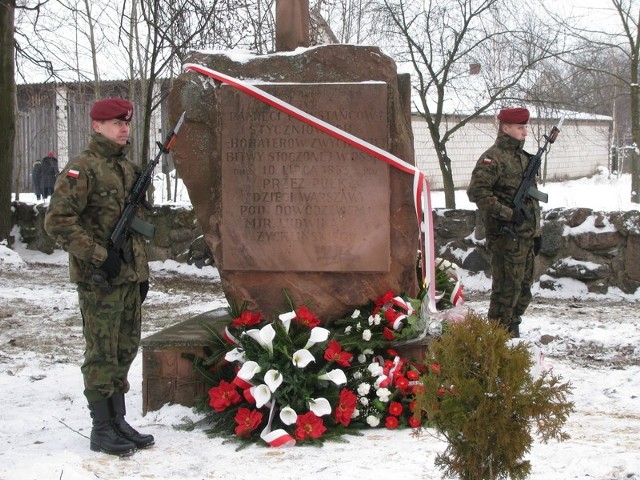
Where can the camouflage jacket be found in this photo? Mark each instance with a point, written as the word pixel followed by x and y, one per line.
pixel 494 181
pixel 87 201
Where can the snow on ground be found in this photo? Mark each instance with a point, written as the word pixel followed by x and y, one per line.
pixel 592 341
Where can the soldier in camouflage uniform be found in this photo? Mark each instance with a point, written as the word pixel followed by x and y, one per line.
pixel 512 239
pixel 87 202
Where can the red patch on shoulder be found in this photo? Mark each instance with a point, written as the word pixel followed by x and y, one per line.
pixel 73 173
pixel 486 161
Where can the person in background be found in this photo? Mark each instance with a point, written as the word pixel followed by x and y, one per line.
pixel 49 171
pixel 89 197
pixel 36 178
pixel 512 240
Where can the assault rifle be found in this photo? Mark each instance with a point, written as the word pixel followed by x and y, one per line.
pixel 128 221
pixel 527 187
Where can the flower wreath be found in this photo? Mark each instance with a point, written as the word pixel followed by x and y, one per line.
pixel 290 380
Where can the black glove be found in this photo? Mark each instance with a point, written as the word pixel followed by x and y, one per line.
pixel 112 264
pixel 537 243
pixel 518 216
pixel 144 289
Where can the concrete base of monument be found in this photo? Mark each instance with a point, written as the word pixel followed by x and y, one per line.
pixel 169 377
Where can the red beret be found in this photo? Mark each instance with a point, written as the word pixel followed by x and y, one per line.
pixel 514 115
pixel 112 108
pixel 52 154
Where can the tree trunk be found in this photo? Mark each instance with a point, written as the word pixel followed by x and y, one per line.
pixel 447 176
pixel 7 113
pixel 635 137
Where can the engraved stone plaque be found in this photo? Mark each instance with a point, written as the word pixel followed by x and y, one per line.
pixel 293 197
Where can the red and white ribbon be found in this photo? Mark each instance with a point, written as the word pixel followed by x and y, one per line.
pixel 421 189
pixel 279 437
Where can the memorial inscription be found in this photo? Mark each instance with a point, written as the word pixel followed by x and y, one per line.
pixel 295 198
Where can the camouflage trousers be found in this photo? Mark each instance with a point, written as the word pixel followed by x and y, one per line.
pixel 111 322
pixel 512 264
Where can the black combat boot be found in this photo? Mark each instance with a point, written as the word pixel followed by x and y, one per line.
pixel 514 330
pixel 123 428
pixel 104 437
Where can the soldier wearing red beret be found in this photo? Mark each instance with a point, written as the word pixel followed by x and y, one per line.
pixel 494 182
pixel 89 196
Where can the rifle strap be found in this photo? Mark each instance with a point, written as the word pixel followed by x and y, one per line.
pixel 145 228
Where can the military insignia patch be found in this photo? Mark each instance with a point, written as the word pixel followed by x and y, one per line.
pixel 486 161
pixel 73 173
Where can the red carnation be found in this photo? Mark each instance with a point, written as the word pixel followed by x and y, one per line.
pixel 246 319
pixel 223 396
pixel 334 353
pixel 387 333
pixel 391 422
pixel 305 318
pixel 309 426
pixel 414 422
pixel 435 368
pixel 401 382
pixel 386 298
pixel 346 406
pixel 247 420
pixel 413 375
pixel 395 408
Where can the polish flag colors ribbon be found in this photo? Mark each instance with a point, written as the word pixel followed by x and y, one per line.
pixel 421 189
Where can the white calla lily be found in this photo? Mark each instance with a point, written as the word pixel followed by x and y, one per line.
pixel 262 394
pixel 248 370
pixel 337 376
pixel 302 358
pixel 286 318
pixel 235 355
pixel 320 406
pixel 273 379
pixel 318 334
pixel 288 415
pixel 264 336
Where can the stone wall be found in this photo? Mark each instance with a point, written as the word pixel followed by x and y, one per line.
pixel 600 249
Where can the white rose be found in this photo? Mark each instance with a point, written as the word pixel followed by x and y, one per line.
pixel 362 358
pixel 364 401
pixel 373 421
pixel 347 330
pixel 357 375
pixel 355 314
pixel 366 335
pixel 383 394
pixel 375 369
pixel 363 389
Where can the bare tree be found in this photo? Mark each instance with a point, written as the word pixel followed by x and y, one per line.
pixel 473 51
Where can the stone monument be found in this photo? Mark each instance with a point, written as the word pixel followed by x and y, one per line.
pixel 285 206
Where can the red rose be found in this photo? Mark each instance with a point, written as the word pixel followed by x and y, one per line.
pixel 388 334
pixel 435 368
pixel 309 426
pixel 223 396
pixel 391 422
pixel 247 420
pixel 346 406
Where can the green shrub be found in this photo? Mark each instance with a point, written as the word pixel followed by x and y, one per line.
pixel 480 396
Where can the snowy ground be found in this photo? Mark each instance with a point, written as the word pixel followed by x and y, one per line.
pixel 592 341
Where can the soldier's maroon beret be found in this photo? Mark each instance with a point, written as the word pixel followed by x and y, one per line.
pixel 514 115
pixel 111 108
